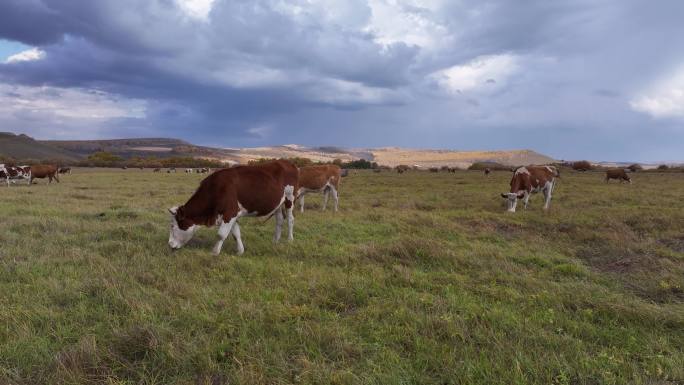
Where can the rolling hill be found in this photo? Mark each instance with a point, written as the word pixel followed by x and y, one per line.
pixel 24 147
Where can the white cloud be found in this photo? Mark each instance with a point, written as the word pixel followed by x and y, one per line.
pixel 67 103
pixel 665 99
pixel 411 22
pixel 198 9
pixel 261 131
pixel 481 74
pixel 27 55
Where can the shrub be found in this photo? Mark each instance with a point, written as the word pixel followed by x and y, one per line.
pixel 582 165
pixel 635 167
pixel 480 166
pixel 360 164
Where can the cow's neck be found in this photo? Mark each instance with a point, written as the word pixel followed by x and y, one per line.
pixel 200 210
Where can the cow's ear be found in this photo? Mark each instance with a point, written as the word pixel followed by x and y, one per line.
pixel 173 210
pixel 504 195
pixel 521 195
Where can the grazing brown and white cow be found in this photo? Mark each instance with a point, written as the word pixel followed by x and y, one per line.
pixel 528 180
pixel 324 178
pixel 44 171
pixel 617 173
pixel 11 173
pixel 229 194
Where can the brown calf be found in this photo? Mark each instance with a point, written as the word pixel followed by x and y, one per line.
pixel 324 178
pixel 229 194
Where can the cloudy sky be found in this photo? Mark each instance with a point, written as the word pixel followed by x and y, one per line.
pixel 598 79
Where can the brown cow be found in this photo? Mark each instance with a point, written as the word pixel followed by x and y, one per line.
pixel 44 171
pixel 324 178
pixel 528 180
pixel 617 173
pixel 229 194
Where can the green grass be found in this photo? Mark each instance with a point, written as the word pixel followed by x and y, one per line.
pixel 421 278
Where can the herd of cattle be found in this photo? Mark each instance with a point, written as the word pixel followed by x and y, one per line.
pixel 29 173
pixel 272 188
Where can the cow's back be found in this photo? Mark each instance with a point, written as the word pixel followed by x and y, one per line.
pixel 260 188
pixel 43 170
pixel 532 177
pixel 316 177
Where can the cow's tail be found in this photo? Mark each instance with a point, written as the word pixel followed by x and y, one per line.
pixel 280 205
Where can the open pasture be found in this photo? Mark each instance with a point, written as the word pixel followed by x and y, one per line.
pixel 420 278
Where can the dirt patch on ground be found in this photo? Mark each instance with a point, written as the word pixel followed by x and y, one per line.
pixel 676 244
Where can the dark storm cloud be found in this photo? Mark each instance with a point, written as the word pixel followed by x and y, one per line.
pixel 470 74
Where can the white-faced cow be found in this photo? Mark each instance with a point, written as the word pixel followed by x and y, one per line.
pixel 12 173
pixel 528 180
pixel 324 178
pixel 229 194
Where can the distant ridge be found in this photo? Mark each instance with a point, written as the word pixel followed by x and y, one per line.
pixel 24 147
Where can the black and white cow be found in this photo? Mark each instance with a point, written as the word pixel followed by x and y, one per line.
pixel 11 173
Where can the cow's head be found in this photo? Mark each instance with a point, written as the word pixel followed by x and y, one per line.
pixel 182 229
pixel 512 200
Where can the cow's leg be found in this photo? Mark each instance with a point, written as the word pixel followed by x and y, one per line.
pixel 57 179
pixel 333 191
pixel 301 202
pixel 224 229
pixel 279 225
pixel 526 199
pixel 547 195
pixel 239 247
pixel 289 202
pixel 326 193
pixel 290 223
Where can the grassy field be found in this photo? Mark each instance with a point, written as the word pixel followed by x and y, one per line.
pixel 420 278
